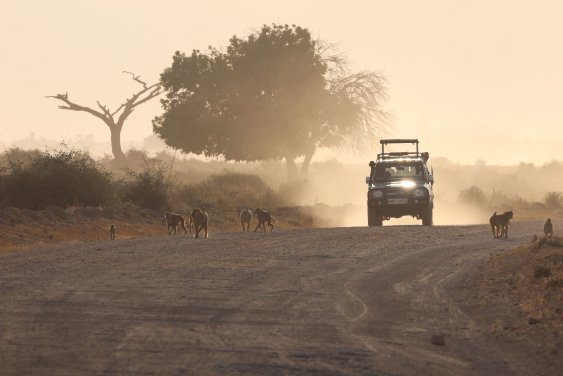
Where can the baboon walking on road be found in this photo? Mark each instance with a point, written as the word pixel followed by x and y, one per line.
pixel 199 218
pixel 548 228
pixel 112 232
pixel 263 217
pixel 499 224
pixel 172 220
pixel 245 219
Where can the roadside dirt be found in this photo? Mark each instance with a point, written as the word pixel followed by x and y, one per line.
pixel 519 307
pixel 335 301
pixel 23 229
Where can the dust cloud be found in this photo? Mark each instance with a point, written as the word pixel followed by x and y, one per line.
pixel 335 193
pixel 464 194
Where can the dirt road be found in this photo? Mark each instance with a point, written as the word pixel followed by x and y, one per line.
pixel 344 301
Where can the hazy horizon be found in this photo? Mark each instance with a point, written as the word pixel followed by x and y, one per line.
pixel 479 79
pixel 537 152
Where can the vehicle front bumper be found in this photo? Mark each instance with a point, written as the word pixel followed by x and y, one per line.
pixel 414 206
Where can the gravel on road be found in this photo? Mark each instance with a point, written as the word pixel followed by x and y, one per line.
pixel 333 301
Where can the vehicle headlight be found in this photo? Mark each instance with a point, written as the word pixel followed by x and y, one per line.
pixel 419 192
pixel 376 194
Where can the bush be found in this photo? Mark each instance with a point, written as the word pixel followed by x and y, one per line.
pixel 226 191
pixel 57 176
pixel 472 196
pixel 232 179
pixel 148 189
pixel 553 241
pixel 542 272
pixel 500 199
pixel 553 199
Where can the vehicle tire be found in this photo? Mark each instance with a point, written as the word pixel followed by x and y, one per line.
pixel 374 218
pixel 427 216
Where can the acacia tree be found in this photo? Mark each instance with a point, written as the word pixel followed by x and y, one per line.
pixel 115 126
pixel 272 95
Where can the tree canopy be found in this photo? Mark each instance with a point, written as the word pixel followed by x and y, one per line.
pixel 275 94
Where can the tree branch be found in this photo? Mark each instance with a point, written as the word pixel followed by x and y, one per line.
pixel 106 115
pixel 75 107
pixel 104 109
pixel 119 108
pixel 156 92
pixel 137 78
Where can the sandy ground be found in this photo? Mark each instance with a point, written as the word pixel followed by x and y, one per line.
pixel 340 301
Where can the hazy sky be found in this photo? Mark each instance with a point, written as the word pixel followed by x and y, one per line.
pixel 486 75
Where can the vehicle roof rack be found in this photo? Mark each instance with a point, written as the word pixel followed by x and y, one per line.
pixel 400 141
pixel 398 154
pixel 401 154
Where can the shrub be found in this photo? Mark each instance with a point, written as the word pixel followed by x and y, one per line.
pixel 233 179
pixel 57 176
pixel 226 191
pixel 270 199
pixel 542 272
pixel 147 189
pixel 498 198
pixel 553 241
pixel 472 196
pixel 553 199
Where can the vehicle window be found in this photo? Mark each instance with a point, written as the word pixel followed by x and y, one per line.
pixel 398 172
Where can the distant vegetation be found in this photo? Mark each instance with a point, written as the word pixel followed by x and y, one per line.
pixel 33 180
pixel 528 190
pixel 66 177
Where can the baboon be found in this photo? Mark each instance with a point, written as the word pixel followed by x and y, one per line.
pixel 263 217
pixel 172 220
pixel 199 218
pixel 245 218
pixel 499 224
pixel 112 232
pixel 548 228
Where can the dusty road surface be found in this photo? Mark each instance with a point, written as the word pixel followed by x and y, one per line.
pixel 344 301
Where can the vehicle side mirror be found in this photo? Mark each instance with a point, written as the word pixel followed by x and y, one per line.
pixel 431 178
pixel 367 179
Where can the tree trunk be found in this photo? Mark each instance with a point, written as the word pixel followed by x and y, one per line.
pixel 292 173
pixel 305 165
pixel 116 144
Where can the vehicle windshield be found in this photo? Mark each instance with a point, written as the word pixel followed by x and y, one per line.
pixel 390 172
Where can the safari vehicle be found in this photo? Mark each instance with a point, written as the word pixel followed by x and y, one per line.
pixel 400 184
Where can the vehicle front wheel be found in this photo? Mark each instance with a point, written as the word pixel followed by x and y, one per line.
pixel 427 216
pixel 374 218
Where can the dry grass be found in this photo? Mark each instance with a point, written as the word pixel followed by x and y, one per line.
pixel 23 232
pixel 528 282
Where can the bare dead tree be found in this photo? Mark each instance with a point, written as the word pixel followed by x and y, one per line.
pixel 108 117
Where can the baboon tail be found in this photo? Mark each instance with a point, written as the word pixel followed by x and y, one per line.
pixel 246 207
pixel 273 219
